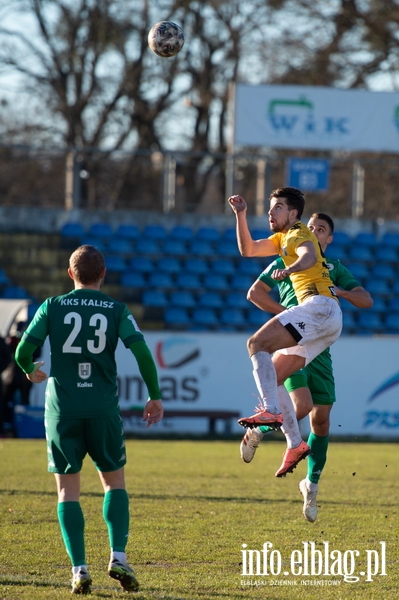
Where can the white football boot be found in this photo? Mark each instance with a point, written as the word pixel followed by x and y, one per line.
pixel 249 443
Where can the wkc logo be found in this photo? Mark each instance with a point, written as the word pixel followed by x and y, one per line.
pixel 176 352
pixel 384 417
pixel 298 117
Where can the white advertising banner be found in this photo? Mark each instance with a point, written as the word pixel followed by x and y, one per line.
pixel 212 371
pixel 293 116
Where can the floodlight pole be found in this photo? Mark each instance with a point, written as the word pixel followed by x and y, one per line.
pixel 357 190
pixel 169 183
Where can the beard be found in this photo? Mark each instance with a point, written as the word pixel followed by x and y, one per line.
pixel 278 228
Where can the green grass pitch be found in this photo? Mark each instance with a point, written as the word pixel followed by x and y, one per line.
pixel 193 505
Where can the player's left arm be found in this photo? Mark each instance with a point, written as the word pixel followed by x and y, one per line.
pixel 348 287
pixel 153 410
pixel 307 258
pixel 357 296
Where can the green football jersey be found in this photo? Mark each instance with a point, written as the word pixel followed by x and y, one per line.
pixel 84 327
pixel 339 275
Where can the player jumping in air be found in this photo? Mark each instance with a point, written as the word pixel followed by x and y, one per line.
pixel 82 410
pixel 317 377
pixel 298 334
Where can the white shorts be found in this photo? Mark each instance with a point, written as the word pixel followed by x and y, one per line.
pixel 315 325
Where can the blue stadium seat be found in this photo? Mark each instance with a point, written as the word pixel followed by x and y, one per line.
pixel 260 234
pixel 370 322
pixel 233 317
pixel 241 282
pixel 223 266
pixel 336 252
pixel 120 246
pixel 205 317
pixel 365 238
pixel 215 281
pixel 386 254
pixel 360 253
pixel 174 247
pixel 176 318
pixel 196 265
pixel 156 298
pixel 183 299
pixel 210 300
pixel 378 287
pixel 256 317
pixel 342 238
pixel 115 264
pixel 359 270
pixel 393 304
pixel 132 285
pixel 154 232
pixel 147 246
pixel 72 230
pixel 383 271
pixel 230 234
pixel 142 264
pixel 379 304
pixel 93 241
pixel 101 230
pixel 252 266
pixel 181 232
pixel 208 234
pixel 236 300
pixel 15 292
pixel 169 265
pixel 390 239
pixel 159 279
pixel 227 248
pixel 189 281
pixel 392 323
pixel 127 232
pixel 348 322
pixel 133 279
pixel 200 248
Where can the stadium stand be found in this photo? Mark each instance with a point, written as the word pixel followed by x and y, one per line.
pixel 193 278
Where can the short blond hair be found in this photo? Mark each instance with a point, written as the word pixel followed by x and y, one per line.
pixel 87 264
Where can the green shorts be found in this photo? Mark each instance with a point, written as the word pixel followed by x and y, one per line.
pixel 318 377
pixel 69 440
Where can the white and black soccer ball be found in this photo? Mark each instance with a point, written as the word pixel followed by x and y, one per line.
pixel 166 38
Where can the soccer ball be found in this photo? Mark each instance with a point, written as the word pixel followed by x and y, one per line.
pixel 166 38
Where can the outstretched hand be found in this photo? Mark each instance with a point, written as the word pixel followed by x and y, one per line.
pixel 37 375
pixel 237 203
pixel 153 412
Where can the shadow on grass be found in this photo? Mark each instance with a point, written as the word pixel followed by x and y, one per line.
pixel 202 497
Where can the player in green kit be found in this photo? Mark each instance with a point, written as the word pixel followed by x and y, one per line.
pixel 313 386
pixel 81 408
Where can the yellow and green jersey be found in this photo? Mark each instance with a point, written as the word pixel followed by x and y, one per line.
pixel 311 282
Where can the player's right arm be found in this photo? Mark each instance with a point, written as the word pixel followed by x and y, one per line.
pixel 259 292
pixel 246 245
pixel 23 357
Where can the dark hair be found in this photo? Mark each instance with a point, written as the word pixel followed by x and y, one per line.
pixel 324 217
pixel 87 264
pixel 295 198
